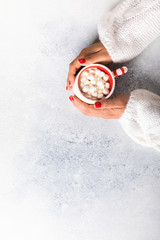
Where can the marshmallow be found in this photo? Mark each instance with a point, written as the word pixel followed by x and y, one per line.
pixel 107 85
pixel 94 94
pixel 82 79
pixel 85 89
pixel 105 91
pixel 98 72
pixel 82 85
pixel 88 96
pixel 100 95
pixel 100 84
pixel 102 74
pixel 86 82
pixel 92 89
pixel 93 81
pixel 105 77
pixel 90 77
pixel 84 74
pixel 92 71
pixel 89 92
pixel 94 98
pixel 100 91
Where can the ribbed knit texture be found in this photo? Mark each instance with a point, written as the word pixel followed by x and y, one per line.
pixel 125 32
pixel 129 28
pixel 141 119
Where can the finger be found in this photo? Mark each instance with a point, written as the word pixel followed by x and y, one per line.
pixel 73 68
pixel 79 61
pixel 89 110
pixel 118 102
pixel 92 48
pixel 98 57
pixel 108 103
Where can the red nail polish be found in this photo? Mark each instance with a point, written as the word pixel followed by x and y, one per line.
pixel 66 88
pixel 69 83
pixel 97 104
pixel 71 99
pixel 82 60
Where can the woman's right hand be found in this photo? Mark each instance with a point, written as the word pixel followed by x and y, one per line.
pixel 95 53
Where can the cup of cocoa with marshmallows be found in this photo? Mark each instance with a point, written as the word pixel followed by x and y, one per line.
pixel 96 82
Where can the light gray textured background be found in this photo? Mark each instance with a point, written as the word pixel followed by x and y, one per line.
pixel 64 175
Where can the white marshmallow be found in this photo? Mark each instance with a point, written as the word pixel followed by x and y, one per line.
pixel 107 85
pixel 101 87
pixel 82 79
pixel 94 98
pixel 92 89
pixel 105 91
pixel 90 77
pixel 92 71
pixel 100 84
pixel 85 89
pixel 100 95
pixel 100 90
pixel 84 74
pixel 87 96
pixel 89 93
pixel 105 77
pixel 97 72
pixel 86 82
pixel 94 94
pixel 93 81
pixel 102 74
pixel 81 85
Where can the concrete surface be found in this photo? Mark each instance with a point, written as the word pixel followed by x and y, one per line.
pixel 64 175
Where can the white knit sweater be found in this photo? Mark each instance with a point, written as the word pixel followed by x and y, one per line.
pixel 125 32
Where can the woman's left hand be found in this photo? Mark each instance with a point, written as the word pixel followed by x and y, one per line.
pixel 107 109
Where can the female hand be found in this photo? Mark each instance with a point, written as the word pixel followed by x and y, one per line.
pixel 95 53
pixel 107 109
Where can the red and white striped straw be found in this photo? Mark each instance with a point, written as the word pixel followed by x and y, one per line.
pixel 120 71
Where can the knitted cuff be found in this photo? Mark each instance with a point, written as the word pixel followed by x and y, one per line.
pixel 141 119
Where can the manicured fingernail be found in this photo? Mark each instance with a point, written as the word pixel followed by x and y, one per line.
pixel 82 60
pixel 69 83
pixel 66 87
pixel 71 99
pixel 97 104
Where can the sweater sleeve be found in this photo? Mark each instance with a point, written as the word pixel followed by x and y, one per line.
pixel 129 28
pixel 141 119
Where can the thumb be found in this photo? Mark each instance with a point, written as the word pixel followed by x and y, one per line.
pixel 93 58
pixel 107 103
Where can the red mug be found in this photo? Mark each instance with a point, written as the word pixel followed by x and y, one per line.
pixel 112 75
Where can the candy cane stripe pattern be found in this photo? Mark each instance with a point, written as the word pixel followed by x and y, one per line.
pixel 120 71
